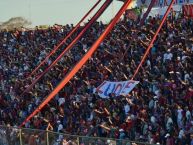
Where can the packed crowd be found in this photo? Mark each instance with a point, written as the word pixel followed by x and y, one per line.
pixel 158 110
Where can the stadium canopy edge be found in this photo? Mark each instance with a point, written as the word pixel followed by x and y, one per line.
pixel 122 0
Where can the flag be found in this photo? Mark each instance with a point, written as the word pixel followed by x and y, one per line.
pixel 133 14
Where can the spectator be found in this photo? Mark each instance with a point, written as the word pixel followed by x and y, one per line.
pixel 158 110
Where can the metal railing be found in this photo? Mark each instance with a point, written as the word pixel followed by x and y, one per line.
pixel 25 136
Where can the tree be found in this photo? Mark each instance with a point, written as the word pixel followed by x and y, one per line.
pixel 16 22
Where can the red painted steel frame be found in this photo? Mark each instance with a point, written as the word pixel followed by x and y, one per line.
pixel 79 65
pixel 88 25
pixel 153 39
pixel 64 40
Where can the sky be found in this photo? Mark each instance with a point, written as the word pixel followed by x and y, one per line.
pixel 49 12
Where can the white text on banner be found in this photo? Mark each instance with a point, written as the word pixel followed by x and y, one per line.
pixel 117 88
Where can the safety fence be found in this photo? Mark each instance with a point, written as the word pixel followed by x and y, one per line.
pixel 25 136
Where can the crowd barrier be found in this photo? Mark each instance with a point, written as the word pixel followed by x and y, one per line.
pixel 25 136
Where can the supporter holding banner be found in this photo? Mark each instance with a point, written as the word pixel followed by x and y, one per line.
pixel 162 3
pixel 117 88
pixel 133 14
pixel 188 10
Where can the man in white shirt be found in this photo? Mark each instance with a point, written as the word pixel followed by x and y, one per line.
pixel 168 56
pixel 127 109
pixel 188 114
pixel 61 101
pixel 179 117
pixel 181 134
pixel 169 123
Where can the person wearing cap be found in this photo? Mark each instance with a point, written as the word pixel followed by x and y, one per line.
pixel 121 134
pixel 169 139
pixel 60 126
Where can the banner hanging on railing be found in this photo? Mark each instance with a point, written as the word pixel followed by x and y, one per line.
pixel 117 88
pixel 162 3
pixel 132 14
pixel 188 10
